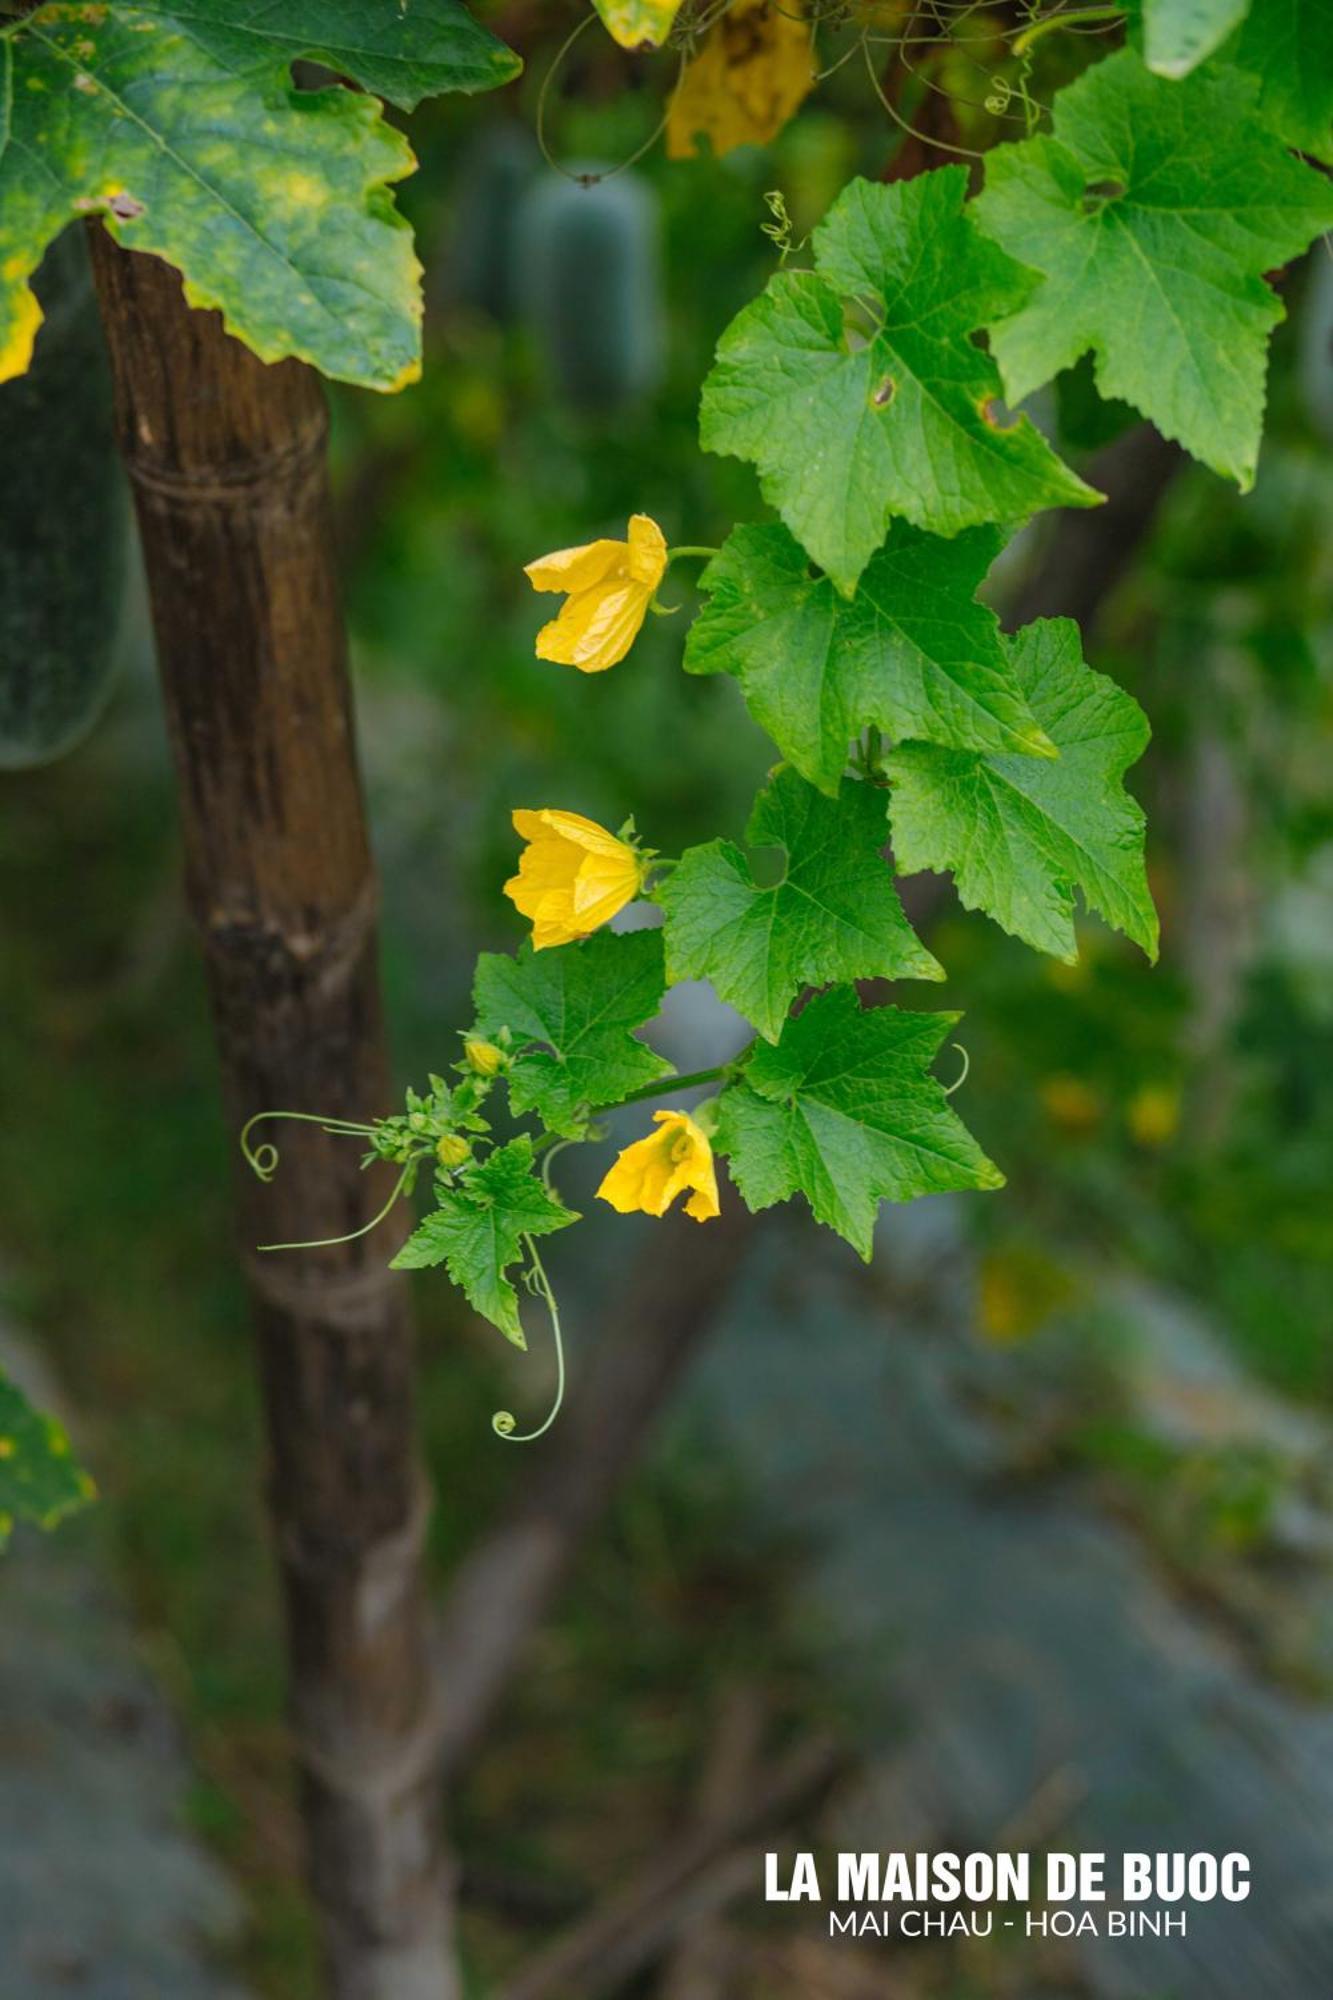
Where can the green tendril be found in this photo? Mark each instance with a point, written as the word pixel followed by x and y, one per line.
pixel 329 1242
pixel 1070 17
pixel 263 1159
pixel 960 1080
pixel 504 1422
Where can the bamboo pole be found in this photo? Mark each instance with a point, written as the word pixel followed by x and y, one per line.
pixel 228 463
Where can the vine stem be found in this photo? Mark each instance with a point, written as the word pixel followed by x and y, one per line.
pixel 687 1081
pixel 1069 18
pixel 692 549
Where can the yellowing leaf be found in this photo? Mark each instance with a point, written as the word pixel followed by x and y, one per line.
pixel 752 74
pixel 183 130
pixel 638 24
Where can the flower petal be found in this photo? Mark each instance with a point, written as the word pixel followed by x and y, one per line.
pixel 596 628
pixel 585 833
pixel 646 555
pixel 577 569
pixel 650 1174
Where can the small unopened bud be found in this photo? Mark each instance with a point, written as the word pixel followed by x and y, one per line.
pixel 484 1057
pixel 452 1149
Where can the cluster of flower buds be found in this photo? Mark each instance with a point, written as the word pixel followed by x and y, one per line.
pixel 445 1120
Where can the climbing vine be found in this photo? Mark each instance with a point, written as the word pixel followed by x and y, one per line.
pixel 874 387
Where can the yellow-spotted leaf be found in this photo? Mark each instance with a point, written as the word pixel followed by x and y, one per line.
pixel 638 24
pixel 40 1479
pixel 186 134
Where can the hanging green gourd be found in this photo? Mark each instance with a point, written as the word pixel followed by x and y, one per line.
pixel 589 274
pixel 483 268
pixel 63 519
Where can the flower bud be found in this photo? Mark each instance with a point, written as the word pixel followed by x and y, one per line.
pixel 452 1149
pixel 484 1057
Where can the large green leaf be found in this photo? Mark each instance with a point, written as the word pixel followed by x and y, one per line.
pixel 1020 834
pixel 190 140
pixel 896 415
pixel 834 914
pixel 1287 45
pixel 1154 211
pixel 913 652
pixel 40 1479
pixel 477 1231
pixel 403 50
pixel 1178 34
pixel 844 1110
pixel 570 1011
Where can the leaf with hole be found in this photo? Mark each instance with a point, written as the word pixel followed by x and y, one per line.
pixel 833 914
pixel 1154 210
pixel 856 388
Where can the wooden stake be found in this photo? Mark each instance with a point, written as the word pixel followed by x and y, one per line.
pixel 227 458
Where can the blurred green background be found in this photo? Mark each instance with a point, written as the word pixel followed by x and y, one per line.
pixel 1169 1125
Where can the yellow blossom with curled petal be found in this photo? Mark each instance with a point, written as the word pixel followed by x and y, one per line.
pixel 610 586
pixel 572 876
pixel 753 72
pixel 650 1174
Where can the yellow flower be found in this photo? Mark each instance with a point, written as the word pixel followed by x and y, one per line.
pixel 572 876
pixel 653 1171
pixel 610 586
pixel 752 73
pixel 483 1057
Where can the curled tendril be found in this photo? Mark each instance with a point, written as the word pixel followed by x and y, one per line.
pixel 504 1423
pixel 264 1158
pixel 961 1079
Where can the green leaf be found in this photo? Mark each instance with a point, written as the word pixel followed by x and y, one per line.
pixel 833 915
pixel 898 416
pixel 1019 834
pixel 912 652
pixel 1154 211
pixel 1178 34
pixel 189 139
pixel 570 1011
pixel 844 1111
pixel 403 50
pixel 40 1480
pixel 478 1229
pixel 1287 46
pixel 638 24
